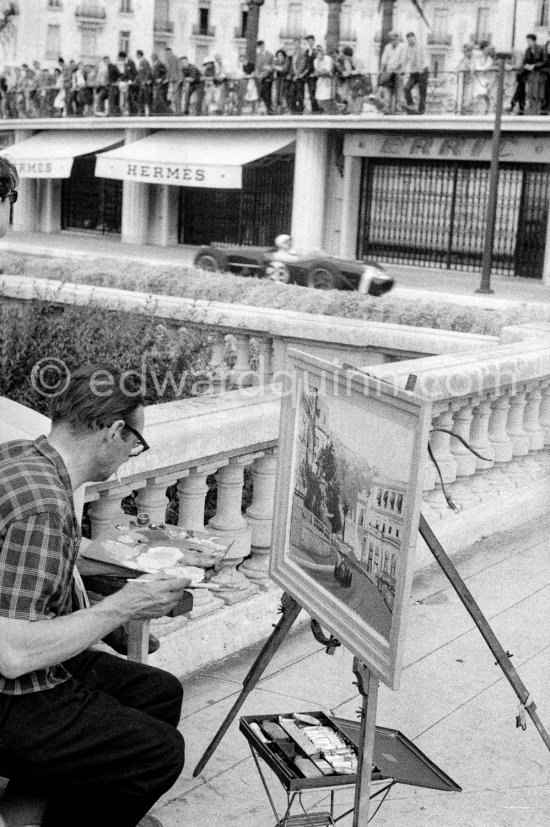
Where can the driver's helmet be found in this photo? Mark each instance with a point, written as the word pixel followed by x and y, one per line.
pixel 283 242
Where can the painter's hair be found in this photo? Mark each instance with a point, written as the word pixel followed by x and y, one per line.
pixel 9 179
pixel 95 397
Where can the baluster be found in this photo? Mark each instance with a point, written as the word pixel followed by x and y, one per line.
pixel 441 446
pixel 106 512
pixel 516 432
pixel 260 518
pixel 465 460
pixel 531 420
pixel 231 526
pixel 152 498
pixel 544 413
pixel 192 491
pixel 498 434
pixel 479 435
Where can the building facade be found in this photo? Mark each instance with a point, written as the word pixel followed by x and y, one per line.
pixel 88 29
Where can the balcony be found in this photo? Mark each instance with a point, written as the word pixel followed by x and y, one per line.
pixel 440 39
pixel 203 31
pixel 90 14
pixel 163 27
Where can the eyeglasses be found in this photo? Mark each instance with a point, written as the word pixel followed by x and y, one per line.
pixel 142 445
pixel 11 197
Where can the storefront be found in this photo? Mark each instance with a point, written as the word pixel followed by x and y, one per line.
pixel 56 169
pixel 232 186
pixel 423 200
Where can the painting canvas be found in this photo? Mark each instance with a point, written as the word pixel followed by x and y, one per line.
pixel 352 453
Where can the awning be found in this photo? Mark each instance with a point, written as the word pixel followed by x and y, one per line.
pixel 51 154
pixel 200 158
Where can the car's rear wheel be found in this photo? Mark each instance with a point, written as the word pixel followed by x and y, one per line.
pixel 206 261
pixel 321 278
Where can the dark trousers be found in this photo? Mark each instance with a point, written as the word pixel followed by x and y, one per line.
pixel 311 82
pixel 265 93
pixel 519 94
pixel 102 747
pixel 296 95
pixel 419 79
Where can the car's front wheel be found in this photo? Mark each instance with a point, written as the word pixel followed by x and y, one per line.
pixel 206 261
pixel 321 278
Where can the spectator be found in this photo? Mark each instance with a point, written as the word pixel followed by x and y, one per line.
pixel 173 80
pixel 484 78
pixel 264 75
pixel 309 72
pixel 352 83
pixel 102 88
pixel 220 93
pixel 532 57
pixel 251 95
pixel 281 74
pixel 392 66
pixel 191 89
pixel 144 79
pixel 298 66
pixel 89 91
pixel 416 64
pixel 465 70
pixel 113 92
pixel 544 70
pixel 4 105
pixel 128 74
pixel 78 90
pixel 324 89
pixel 59 102
pixel 158 74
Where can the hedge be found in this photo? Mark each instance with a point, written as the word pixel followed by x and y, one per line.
pixel 189 282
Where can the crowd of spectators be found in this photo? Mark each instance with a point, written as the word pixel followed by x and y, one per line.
pixel 302 78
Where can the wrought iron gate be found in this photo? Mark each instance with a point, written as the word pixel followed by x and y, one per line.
pixel 90 203
pixel 432 213
pixel 253 215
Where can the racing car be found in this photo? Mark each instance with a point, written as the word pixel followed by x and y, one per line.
pixel 312 269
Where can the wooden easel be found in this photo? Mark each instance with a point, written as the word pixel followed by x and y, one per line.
pixel 368 683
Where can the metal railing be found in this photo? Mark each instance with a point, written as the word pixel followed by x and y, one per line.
pixel 463 92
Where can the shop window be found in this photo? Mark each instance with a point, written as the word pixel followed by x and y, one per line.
pixel 379 497
pixel 543 14
pixel 399 503
pixel 90 203
pixel 295 18
pixel 53 42
pixel 385 499
pixel 243 22
pixel 392 500
pixel 254 215
pixel 126 7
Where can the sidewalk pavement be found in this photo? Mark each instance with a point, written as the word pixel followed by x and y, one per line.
pixel 411 282
pixel 453 702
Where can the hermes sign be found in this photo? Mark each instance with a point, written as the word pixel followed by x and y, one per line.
pixel 448 146
pixel 165 172
pixel 42 167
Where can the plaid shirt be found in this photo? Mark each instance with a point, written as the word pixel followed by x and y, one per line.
pixel 39 540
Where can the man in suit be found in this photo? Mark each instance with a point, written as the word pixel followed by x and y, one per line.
pixel 532 59
pixel 309 76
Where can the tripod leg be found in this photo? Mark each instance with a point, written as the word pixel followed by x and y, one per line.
pixel 290 611
pixel 368 687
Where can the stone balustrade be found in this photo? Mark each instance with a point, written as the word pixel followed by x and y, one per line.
pixel 500 404
pixel 496 395
pixel 249 343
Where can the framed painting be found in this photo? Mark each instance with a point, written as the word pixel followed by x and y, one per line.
pixel 352 452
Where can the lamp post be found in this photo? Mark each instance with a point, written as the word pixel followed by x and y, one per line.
pixel 485 284
pixel 332 38
pixel 252 25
